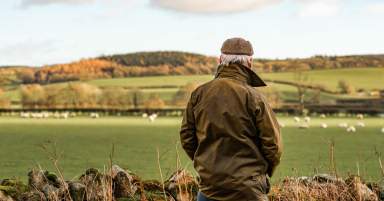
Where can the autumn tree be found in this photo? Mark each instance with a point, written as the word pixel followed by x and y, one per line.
pixel 346 87
pixel 27 75
pixel 138 97
pixel 154 102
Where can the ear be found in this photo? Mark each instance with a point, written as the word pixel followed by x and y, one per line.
pixel 250 64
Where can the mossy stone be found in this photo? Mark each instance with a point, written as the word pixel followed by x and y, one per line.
pixel 15 188
pixel 53 179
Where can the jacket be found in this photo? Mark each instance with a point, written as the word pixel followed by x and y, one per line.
pixel 231 134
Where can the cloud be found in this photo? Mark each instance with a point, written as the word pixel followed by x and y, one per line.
pixel 115 13
pixel 25 51
pixel 375 9
pixel 318 9
pixel 26 3
pixel 212 6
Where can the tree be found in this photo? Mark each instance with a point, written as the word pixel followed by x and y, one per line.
pixel 138 97
pixel 346 87
pixel 27 75
pixel 154 101
pixel 301 84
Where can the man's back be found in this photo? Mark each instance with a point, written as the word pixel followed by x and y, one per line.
pixel 224 131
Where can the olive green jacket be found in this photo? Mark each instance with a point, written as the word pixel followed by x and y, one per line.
pixel 231 134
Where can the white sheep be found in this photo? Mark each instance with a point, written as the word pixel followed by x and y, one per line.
pixel 381 115
pixel 282 125
pixel 322 116
pixel 360 124
pixel 151 118
pixel 323 125
pixel 382 130
pixel 56 115
pixel 39 115
pixel 351 129
pixel 24 115
pixel 72 114
pixel 45 115
pixel 297 119
pixel 33 115
pixel 303 126
pixel 145 115
pixel 94 115
pixel 343 125
pixel 307 119
pixel 154 115
pixel 64 115
pixel 359 116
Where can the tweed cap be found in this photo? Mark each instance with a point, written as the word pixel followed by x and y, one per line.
pixel 237 46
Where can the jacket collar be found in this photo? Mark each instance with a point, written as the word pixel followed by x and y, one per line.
pixel 240 72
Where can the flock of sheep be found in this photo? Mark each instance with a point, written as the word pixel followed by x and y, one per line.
pixel 151 117
pixel 55 115
pixel 323 125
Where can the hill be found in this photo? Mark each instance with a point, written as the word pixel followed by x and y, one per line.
pixel 144 64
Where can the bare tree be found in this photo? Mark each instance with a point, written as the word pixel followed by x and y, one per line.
pixel 302 87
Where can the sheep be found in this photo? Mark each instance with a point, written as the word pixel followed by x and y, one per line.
pixel 307 119
pixel 94 115
pixel 33 115
pixel 151 118
pixel 322 116
pixel 64 115
pixel 297 119
pixel 381 115
pixel 351 129
pixel 39 115
pixel 343 125
pixel 382 130
pixel 145 115
pixel 72 114
pixel 24 115
pixel 45 115
pixel 154 115
pixel 303 126
pixel 360 124
pixel 323 125
pixel 56 115
pixel 359 116
pixel 282 125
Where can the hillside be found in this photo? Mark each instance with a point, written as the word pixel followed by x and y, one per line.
pixel 144 64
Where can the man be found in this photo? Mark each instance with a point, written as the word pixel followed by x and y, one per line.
pixel 230 131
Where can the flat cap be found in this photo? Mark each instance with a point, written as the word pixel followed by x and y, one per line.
pixel 237 46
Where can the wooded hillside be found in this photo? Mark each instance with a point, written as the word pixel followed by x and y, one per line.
pixel 178 63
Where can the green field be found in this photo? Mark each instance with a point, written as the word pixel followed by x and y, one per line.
pixel 360 78
pixel 88 142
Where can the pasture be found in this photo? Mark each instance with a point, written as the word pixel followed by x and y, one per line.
pixel 360 78
pixel 88 142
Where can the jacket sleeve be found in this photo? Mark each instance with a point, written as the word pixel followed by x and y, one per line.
pixel 270 135
pixel 188 136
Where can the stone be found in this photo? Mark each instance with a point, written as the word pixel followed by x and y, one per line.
pixel 182 186
pixel 5 197
pixel 358 189
pixel 77 191
pixel 325 178
pixel 123 183
pixel 34 195
pixel 14 188
pixel 97 184
pixel 37 180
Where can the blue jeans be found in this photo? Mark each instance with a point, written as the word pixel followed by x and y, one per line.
pixel 201 197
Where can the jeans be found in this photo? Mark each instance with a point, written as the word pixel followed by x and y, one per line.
pixel 201 197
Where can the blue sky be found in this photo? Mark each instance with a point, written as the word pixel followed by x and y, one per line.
pixel 43 32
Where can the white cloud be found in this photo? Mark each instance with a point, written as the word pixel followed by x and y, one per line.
pixel 114 13
pixel 318 9
pixel 212 6
pixel 375 9
pixel 25 51
pixel 25 3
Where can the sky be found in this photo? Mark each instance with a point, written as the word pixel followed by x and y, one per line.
pixel 46 32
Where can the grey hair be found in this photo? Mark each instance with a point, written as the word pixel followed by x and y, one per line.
pixel 226 59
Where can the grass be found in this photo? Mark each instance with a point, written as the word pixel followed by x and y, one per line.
pixel 366 78
pixel 88 142
pixel 360 78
